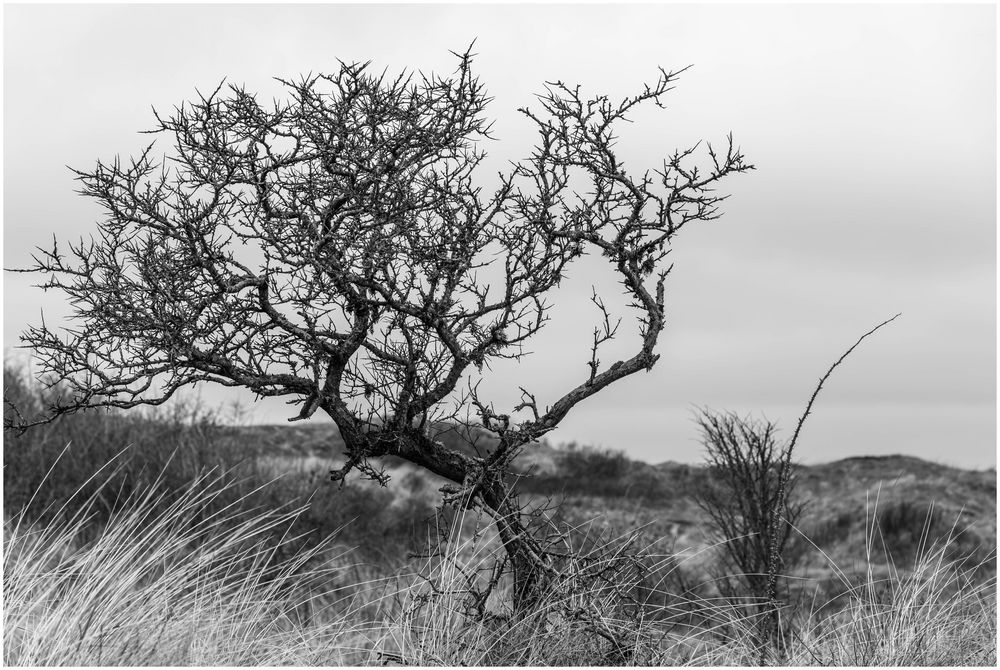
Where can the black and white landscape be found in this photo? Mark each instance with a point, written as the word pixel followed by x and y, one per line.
pixel 500 335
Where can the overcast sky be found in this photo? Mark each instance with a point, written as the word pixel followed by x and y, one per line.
pixel 873 129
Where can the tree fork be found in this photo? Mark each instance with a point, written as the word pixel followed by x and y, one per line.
pixel 530 566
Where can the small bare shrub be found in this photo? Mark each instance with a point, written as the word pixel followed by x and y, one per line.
pixel 751 510
pixel 752 483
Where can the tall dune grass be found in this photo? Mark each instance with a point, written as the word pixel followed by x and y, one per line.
pixel 173 578
pixel 177 587
pixel 939 611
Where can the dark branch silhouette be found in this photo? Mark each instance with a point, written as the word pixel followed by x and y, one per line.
pixel 334 249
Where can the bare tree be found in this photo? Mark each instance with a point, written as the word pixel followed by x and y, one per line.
pixel 335 250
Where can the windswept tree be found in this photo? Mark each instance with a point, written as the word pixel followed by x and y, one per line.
pixel 335 249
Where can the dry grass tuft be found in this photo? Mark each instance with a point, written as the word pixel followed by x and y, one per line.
pixel 936 612
pixel 180 587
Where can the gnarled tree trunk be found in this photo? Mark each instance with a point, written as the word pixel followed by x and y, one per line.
pixel 530 567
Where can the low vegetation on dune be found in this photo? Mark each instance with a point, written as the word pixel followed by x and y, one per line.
pixel 171 539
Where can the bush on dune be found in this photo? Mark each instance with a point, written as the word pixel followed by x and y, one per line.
pixel 172 446
pixel 109 457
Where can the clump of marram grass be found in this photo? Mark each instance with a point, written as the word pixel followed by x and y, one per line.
pixel 936 613
pixel 178 587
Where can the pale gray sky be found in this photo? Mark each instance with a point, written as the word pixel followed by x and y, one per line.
pixel 873 129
